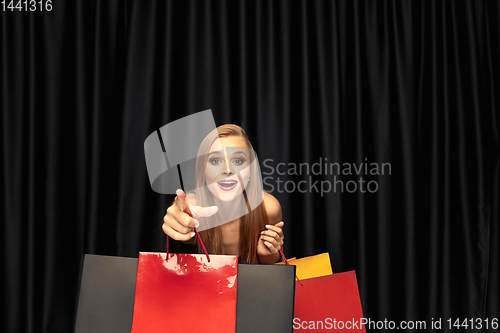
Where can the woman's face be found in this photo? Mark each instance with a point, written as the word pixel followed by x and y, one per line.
pixel 228 160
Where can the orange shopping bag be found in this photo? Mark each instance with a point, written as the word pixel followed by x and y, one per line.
pixel 313 266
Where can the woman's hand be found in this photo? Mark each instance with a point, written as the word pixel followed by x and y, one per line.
pixel 181 217
pixel 270 243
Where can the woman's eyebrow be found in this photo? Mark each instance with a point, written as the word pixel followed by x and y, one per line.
pixel 215 152
pixel 239 151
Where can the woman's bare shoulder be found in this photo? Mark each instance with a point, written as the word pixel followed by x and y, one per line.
pixel 273 208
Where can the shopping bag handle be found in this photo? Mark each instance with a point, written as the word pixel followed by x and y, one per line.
pixel 190 214
pixel 199 239
pixel 286 261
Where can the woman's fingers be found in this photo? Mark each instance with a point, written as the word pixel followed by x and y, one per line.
pixel 181 201
pixel 273 237
pixel 274 230
pixel 271 247
pixel 177 223
pixel 177 216
pixel 177 235
pixel 183 225
pixel 277 243
pixel 182 204
pixel 198 211
pixel 277 228
pixel 270 233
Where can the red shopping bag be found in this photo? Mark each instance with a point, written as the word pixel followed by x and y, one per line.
pixel 327 303
pixel 185 293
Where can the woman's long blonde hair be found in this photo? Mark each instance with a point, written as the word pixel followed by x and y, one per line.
pixel 252 223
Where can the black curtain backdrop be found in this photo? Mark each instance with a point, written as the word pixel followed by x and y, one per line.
pixel 410 83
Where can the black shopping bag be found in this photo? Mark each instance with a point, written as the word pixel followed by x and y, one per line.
pixel 265 298
pixel 106 298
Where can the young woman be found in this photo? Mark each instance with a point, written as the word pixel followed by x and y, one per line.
pixel 236 216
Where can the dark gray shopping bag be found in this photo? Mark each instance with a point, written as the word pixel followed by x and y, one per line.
pixel 106 297
pixel 265 298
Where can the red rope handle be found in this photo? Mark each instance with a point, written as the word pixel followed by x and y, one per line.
pixel 286 261
pixel 166 254
pixel 202 245
pixel 201 242
pixel 199 239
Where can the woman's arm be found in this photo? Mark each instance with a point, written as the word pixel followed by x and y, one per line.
pixel 272 239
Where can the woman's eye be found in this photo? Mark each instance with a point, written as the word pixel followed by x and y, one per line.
pixel 239 161
pixel 215 161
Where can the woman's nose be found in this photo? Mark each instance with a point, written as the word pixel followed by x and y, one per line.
pixel 227 169
pixel 228 172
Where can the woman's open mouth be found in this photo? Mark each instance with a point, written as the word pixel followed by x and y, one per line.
pixel 227 184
